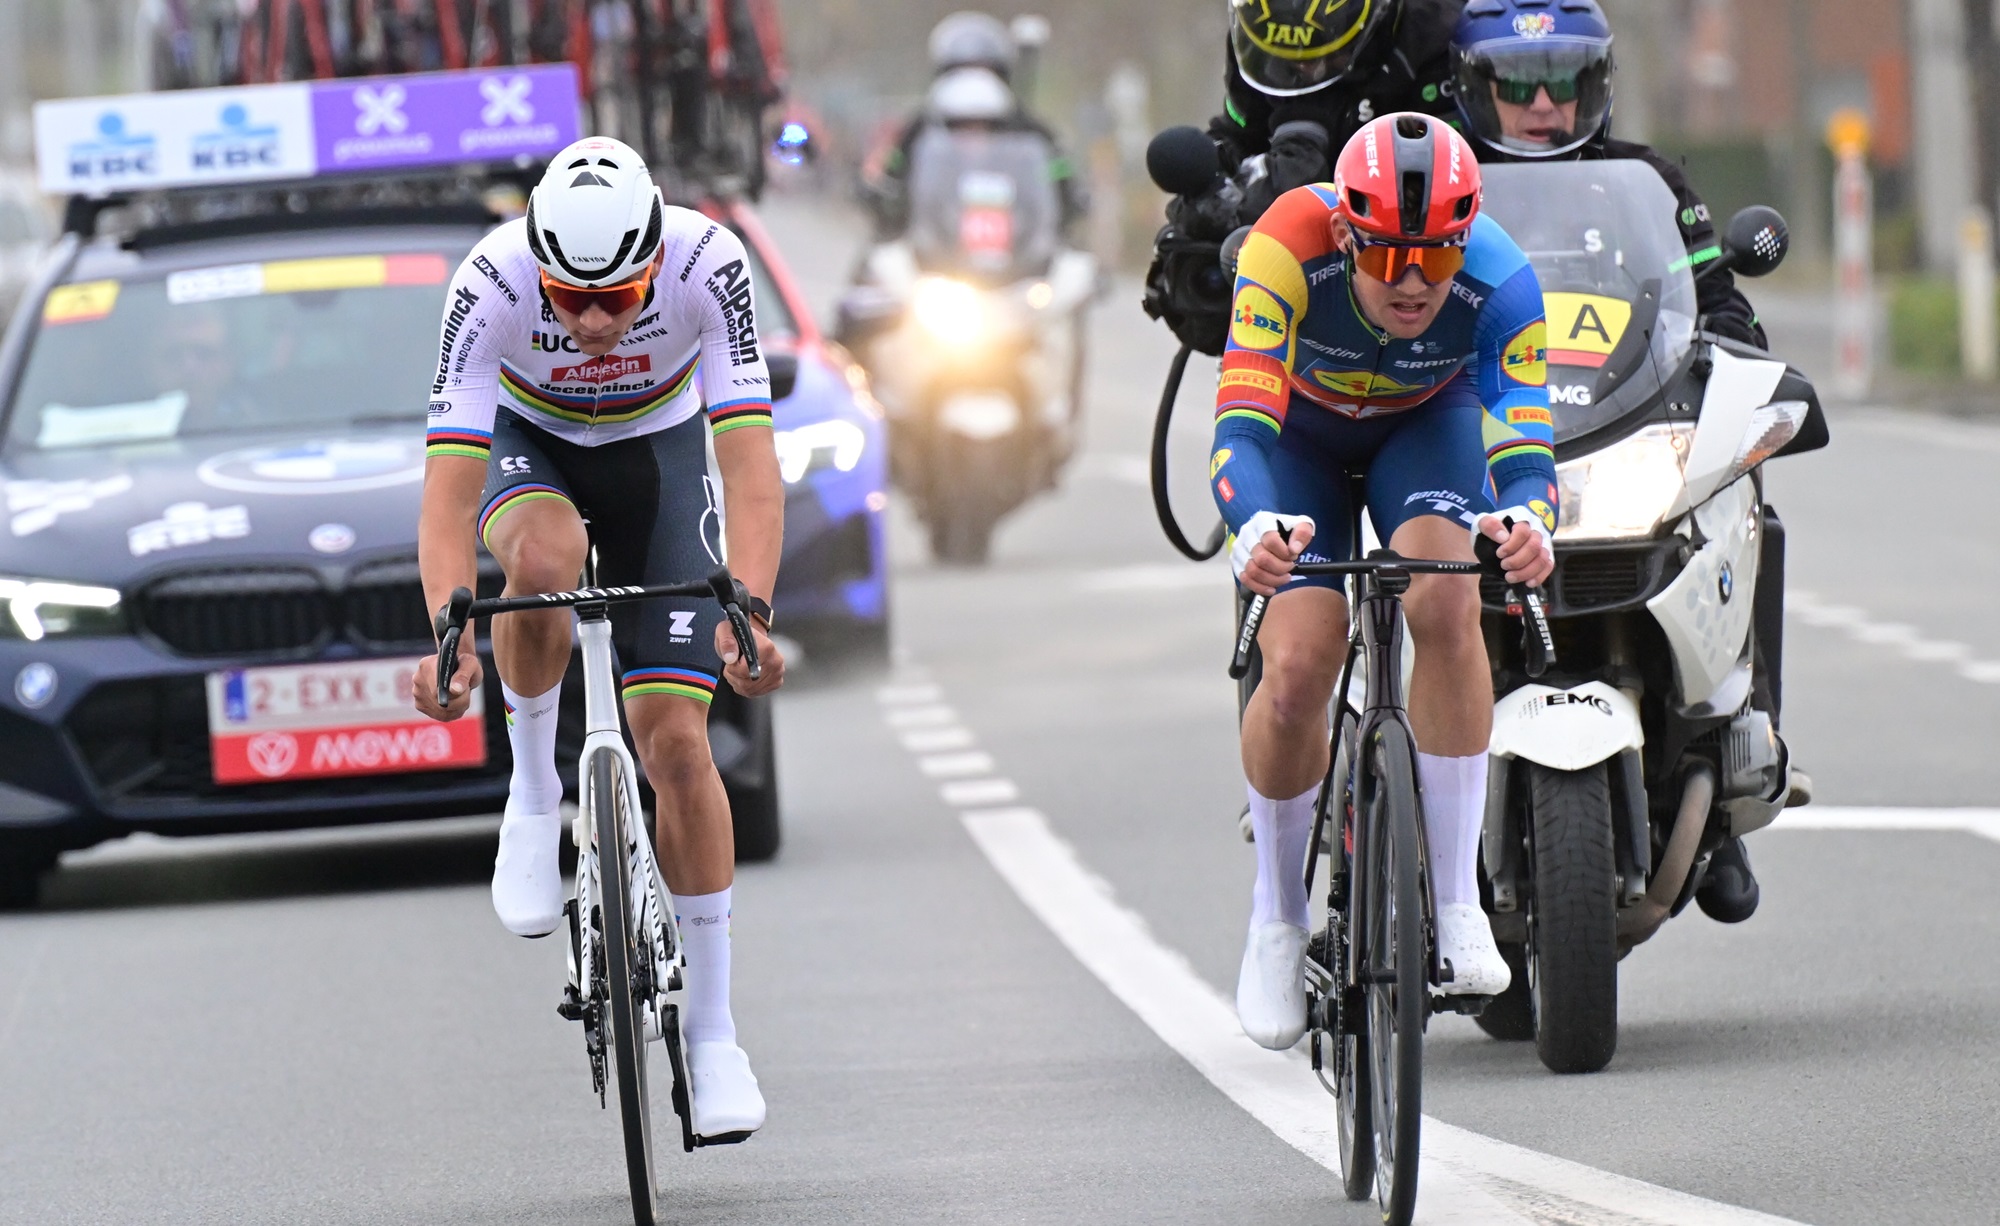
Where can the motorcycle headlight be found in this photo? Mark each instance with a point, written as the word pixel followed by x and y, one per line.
pixel 950 312
pixel 1771 427
pixel 824 444
pixel 1626 489
pixel 40 608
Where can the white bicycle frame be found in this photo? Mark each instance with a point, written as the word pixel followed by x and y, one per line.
pixel 649 906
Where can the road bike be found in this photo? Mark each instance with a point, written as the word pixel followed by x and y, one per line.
pixel 624 953
pixel 1373 971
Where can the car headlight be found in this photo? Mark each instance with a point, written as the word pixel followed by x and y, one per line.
pixel 824 444
pixel 1626 489
pixel 950 312
pixel 39 608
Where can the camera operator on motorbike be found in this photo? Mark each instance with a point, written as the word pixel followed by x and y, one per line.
pixel 547 407
pixel 1534 82
pixel 1302 77
pixel 972 63
pixel 1379 321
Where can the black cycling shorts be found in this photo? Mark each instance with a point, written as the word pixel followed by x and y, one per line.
pixel 652 512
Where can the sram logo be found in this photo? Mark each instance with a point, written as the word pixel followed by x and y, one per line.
pixel 604 369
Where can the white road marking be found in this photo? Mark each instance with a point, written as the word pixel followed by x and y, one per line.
pixel 964 793
pixel 1465 1177
pixel 1156 577
pixel 1983 822
pixel 937 740
pixel 908 695
pixel 920 717
pixel 956 765
pixel 1907 641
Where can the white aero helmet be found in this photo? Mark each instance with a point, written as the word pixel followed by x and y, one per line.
pixel 595 218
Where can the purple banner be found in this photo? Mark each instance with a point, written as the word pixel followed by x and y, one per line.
pixel 373 123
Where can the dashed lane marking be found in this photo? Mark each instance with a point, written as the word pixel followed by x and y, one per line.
pixel 956 765
pixel 1466 1179
pixel 1983 822
pixel 1905 640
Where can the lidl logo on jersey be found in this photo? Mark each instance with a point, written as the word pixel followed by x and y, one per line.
pixel 1216 462
pixel 1526 357
pixel 238 144
pixel 1258 321
pixel 606 369
pixel 1364 385
pixel 1544 512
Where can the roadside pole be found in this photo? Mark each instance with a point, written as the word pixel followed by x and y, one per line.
pixel 1978 344
pixel 1853 256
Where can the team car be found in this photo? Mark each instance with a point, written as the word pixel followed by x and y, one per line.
pixel 211 455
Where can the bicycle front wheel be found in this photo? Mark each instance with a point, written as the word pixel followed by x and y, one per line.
pixel 1396 965
pixel 628 972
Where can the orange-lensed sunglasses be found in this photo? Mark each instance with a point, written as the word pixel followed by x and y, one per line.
pixel 615 299
pixel 1436 263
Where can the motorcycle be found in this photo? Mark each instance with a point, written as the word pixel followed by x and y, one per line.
pixel 971 326
pixel 1654 738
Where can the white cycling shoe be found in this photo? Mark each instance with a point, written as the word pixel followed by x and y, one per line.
pixel 722 1091
pixel 1465 939
pixel 527 874
pixel 1271 987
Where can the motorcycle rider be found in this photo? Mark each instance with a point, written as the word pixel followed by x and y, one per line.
pixel 972 67
pixel 1533 82
pixel 1379 320
pixel 1301 78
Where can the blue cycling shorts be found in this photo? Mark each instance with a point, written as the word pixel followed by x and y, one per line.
pixel 1430 460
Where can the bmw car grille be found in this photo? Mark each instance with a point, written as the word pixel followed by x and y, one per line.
pixel 248 612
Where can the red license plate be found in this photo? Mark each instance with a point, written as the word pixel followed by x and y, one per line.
pixel 321 721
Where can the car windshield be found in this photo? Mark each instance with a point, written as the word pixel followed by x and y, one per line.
pixel 1615 280
pixel 275 345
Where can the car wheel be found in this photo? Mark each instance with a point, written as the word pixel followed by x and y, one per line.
pixel 752 784
pixel 22 866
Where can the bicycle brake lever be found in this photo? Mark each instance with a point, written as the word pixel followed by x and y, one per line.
pixel 450 626
pixel 1253 619
pixel 731 596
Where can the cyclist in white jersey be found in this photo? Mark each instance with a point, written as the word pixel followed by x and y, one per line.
pixel 589 351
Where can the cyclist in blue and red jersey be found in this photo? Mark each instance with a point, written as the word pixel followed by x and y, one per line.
pixel 1380 324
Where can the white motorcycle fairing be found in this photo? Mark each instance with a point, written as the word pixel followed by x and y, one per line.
pixel 1565 730
pixel 1706 611
pixel 1737 388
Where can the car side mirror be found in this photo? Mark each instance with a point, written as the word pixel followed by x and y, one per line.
pixel 784 368
pixel 1757 241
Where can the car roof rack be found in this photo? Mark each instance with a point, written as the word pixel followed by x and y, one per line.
pixel 239 158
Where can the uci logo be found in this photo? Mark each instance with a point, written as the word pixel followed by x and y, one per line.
pixel 552 342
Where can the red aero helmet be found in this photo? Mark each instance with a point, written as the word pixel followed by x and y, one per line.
pixel 1408 178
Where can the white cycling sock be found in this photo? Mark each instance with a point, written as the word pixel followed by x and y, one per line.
pixel 1281 829
pixel 531 731
pixel 1454 814
pixel 704 928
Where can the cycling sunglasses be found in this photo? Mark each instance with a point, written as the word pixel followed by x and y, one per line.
pixel 615 299
pixel 1522 93
pixel 1436 263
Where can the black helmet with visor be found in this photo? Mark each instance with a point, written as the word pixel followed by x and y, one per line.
pixel 1290 47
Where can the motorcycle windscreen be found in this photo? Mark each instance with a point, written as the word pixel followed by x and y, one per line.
pixel 1616 281
pixel 983 203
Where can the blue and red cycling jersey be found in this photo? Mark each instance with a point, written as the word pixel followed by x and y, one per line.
pixel 1298 341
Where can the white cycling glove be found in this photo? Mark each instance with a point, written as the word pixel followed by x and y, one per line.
pixel 1520 515
pixel 1253 531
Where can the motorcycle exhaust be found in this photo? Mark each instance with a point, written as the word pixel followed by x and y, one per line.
pixel 1642 919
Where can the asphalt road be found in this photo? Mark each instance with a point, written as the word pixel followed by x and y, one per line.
pixel 333 1028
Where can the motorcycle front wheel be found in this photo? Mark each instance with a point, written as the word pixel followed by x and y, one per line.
pixel 1573 919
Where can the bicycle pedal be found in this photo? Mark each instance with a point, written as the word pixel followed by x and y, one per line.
pixel 570 1008
pixel 1464 1006
pixel 725 1138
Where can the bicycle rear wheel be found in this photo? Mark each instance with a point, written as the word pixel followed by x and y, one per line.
pixel 628 971
pixel 1396 965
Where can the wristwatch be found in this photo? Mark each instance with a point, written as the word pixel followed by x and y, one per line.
pixel 760 609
